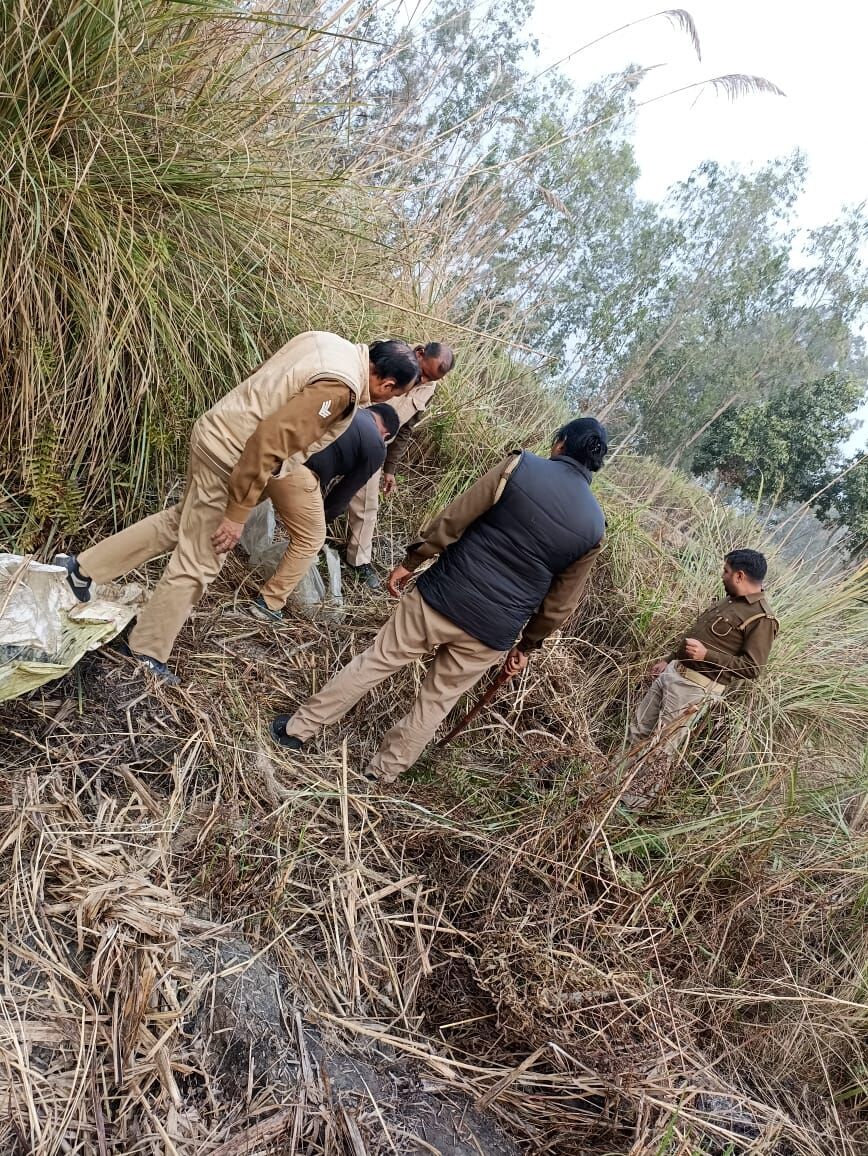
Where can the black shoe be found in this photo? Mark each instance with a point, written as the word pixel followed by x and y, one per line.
pixel 278 733
pixel 366 574
pixel 78 583
pixel 260 609
pixel 158 669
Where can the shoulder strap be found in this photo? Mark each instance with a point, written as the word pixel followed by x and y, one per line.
pixel 510 467
pixel 755 617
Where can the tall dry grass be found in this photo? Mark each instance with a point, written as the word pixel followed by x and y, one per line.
pixel 684 980
pixel 173 209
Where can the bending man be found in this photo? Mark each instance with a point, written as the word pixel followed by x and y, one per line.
pixel 298 402
pixel 513 556
pixel 309 498
pixel 435 361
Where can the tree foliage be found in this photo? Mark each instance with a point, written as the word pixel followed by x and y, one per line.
pixel 781 448
pixel 340 168
pixel 845 503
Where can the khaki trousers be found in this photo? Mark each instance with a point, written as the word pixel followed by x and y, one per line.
pixel 669 697
pixel 298 503
pixel 184 529
pixel 362 521
pixel 414 630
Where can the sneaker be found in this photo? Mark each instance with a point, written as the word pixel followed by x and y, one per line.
pixel 75 580
pixel 366 574
pixel 278 733
pixel 158 669
pixel 259 608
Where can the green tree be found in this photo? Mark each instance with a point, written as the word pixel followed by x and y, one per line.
pixel 783 448
pixel 730 317
pixel 845 503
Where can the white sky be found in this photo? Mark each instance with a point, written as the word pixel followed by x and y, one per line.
pixel 815 53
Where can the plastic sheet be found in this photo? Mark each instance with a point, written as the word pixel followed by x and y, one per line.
pixel 265 543
pixel 44 629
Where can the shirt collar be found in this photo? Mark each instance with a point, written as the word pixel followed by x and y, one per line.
pixel 583 470
pixel 754 596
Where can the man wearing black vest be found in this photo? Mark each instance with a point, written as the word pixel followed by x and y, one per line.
pixel 513 556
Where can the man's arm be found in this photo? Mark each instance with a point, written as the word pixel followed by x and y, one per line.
pixel 565 594
pixel 290 430
pixel 397 447
pixel 448 526
pixel 758 639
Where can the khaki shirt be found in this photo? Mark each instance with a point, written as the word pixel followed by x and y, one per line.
pixel 409 407
pixel 567 588
pixel 298 402
pixel 737 633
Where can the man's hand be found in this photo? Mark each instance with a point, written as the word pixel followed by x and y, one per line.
pixel 226 536
pixel 694 649
pixel 397 580
pixel 657 668
pixel 390 484
pixel 515 663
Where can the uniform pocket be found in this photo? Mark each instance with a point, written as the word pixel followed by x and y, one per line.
pixel 723 627
pixel 311 482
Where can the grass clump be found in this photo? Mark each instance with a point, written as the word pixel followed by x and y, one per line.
pixel 167 178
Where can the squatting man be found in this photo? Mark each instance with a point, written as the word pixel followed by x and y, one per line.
pixel 310 498
pixel 729 641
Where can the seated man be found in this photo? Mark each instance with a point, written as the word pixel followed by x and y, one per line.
pixel 317 493
pixel 513 556
pixel 729 641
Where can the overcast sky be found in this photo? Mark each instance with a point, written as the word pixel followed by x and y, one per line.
pixel 815 53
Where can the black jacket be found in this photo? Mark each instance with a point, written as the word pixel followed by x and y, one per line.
pixel 344 466
pixel 499 571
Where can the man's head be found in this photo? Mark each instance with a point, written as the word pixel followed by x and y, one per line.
pixel 583 439
pixel 435 360
pixel 385 419
pixel 393 369
pixel 743 572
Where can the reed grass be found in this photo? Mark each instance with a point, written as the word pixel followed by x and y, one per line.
pixel 599 979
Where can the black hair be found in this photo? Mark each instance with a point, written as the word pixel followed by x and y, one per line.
pixel 750 561
pixel 443 353
pixel 585 440
pixel 388 416
pixel 394 359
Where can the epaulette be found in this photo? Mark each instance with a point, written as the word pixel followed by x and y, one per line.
pixel 766 612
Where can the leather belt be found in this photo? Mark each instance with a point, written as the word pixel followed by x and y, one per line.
pixel 698 679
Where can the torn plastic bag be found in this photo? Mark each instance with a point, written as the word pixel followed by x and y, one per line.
pixel 265 544
pixel 44 629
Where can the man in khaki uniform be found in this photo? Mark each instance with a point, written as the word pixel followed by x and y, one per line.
pixel 435 361
pixel 298 402
pixel 729 641
pixel 513 555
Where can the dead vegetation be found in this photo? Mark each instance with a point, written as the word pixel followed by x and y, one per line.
pixel 212 947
